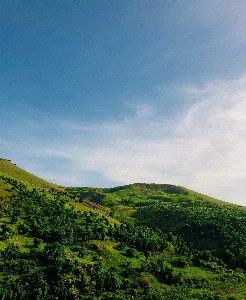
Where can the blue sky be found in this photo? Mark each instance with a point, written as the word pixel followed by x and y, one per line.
pixel 105 93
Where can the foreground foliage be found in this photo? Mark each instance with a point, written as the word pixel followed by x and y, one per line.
pixel 64 244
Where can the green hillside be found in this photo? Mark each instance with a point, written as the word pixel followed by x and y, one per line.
pixel 207 223
pixel 8 168
pixel 140 241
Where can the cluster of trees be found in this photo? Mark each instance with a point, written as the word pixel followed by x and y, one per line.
pixel 206 225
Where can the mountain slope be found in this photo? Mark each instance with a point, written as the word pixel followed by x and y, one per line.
pixel 65 244
pixel 8 168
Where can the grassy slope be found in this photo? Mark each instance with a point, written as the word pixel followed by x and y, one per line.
pixel 8 168
pixel 141 192
pixel 211 199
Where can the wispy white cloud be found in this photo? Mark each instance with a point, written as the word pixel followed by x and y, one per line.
pixel 202 148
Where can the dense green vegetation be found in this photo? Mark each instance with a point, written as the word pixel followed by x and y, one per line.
pixel 141 241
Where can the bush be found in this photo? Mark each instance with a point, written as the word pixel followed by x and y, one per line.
pixel 130 252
